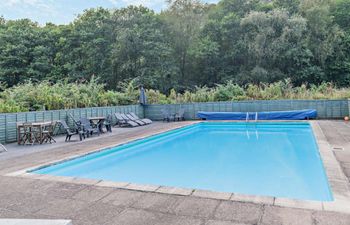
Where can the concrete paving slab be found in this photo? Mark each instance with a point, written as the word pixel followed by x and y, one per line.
pixel 343 156
pixel 92 194
pixel 23 202
pixel 142 187
pixel 158 202
pixel 38 216
pixel 331 218
pixel 301 204
pixel 28 204
pixel 7 213
pixel 38 187
pixel 136 217
pixel 278 215
pixel 340 187
pixel 123 198
pixel 239 212
pixel 64 190
pixel 174 190
pixel 10 184
pixel 253 198
pixel 197 207
pixel 96 214
pixel 16 173
pixel 347 172
pixel 112 184
pixel 339 205
pixel 335 173
pixel 220 222
pixel 32 175
pixel 178 220
pixel 64 208
pixel 212 194
pixel 56 178
pixel 34 222
pixel 85 181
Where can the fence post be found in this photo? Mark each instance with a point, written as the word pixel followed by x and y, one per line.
pixel 5 128
pixel 16 127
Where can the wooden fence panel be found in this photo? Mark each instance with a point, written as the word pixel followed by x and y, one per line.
pixel 326 109
pixel 8 121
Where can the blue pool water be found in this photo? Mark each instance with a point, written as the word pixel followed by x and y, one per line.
pixel 271 159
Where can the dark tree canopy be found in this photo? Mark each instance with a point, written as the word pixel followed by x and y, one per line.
pixel 187 45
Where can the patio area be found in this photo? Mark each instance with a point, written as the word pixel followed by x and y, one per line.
pixel 95 203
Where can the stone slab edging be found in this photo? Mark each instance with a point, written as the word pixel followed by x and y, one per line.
pixel 336 178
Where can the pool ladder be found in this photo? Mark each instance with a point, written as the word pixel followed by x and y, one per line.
pixel 247 117
pixel 255 120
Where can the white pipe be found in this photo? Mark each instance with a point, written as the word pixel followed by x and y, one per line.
pixel 3 147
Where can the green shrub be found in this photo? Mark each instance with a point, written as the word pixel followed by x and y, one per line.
pixel 63 95
pixel 228 92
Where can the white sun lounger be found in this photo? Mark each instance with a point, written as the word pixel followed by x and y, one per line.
pixel 124 122
pixel 145 120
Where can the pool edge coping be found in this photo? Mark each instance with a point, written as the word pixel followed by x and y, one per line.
pixel 337 180
pixel 335 177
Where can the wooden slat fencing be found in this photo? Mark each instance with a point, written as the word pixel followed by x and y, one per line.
pixel 8 121
pixel 326 109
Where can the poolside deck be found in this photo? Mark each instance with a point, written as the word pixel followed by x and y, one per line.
pixel 85 204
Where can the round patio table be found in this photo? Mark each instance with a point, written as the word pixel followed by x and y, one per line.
pixel 98 121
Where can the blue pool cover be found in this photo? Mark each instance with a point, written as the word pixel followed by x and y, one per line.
pixel 273 115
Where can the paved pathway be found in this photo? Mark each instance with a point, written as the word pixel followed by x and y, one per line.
pixel 338 135
pixel 86 204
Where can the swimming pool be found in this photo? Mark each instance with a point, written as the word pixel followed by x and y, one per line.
pixel 270 159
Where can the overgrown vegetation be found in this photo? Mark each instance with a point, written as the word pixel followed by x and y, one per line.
pixel 63 95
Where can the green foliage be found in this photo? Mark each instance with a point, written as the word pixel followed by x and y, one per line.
pixel 63 95
pixel 228 92
pixel 190 44
pixel 292 6
pixel 341 13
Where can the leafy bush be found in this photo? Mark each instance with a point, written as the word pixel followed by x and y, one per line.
pixel 63 95
pixel 228 92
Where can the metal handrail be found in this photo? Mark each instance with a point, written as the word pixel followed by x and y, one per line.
pixel 256 130
pixel 247 117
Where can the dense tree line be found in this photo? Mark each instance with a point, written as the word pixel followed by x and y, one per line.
pixel 187 45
